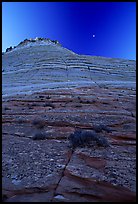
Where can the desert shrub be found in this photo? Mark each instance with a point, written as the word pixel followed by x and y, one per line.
pixel 21 120
pixel 78 105
pixel 49 105
pixel 48 97
pixel 34 104
pixel 86 137
pixel 7 108
pixel 41 96
pixel 38 123
pixel 39 136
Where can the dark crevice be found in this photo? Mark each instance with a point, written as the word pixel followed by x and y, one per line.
pixel 69 158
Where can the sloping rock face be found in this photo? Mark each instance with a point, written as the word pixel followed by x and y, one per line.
pixel 49 91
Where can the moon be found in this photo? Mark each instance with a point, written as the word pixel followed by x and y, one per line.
pixel 93 36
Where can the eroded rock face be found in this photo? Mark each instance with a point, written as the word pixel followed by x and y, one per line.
pixel 51 91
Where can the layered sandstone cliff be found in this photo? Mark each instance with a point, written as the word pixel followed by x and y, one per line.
pixel 49 90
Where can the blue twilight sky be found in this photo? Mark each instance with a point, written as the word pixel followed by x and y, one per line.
pixel 93 28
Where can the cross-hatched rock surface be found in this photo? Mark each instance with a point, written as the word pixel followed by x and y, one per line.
pixel 50 91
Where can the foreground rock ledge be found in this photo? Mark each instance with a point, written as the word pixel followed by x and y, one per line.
pixel 48 170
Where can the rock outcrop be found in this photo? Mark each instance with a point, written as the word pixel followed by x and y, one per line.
pixel 48 93
pixel 9 49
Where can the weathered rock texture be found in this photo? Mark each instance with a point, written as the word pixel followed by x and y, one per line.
pixel 48 90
